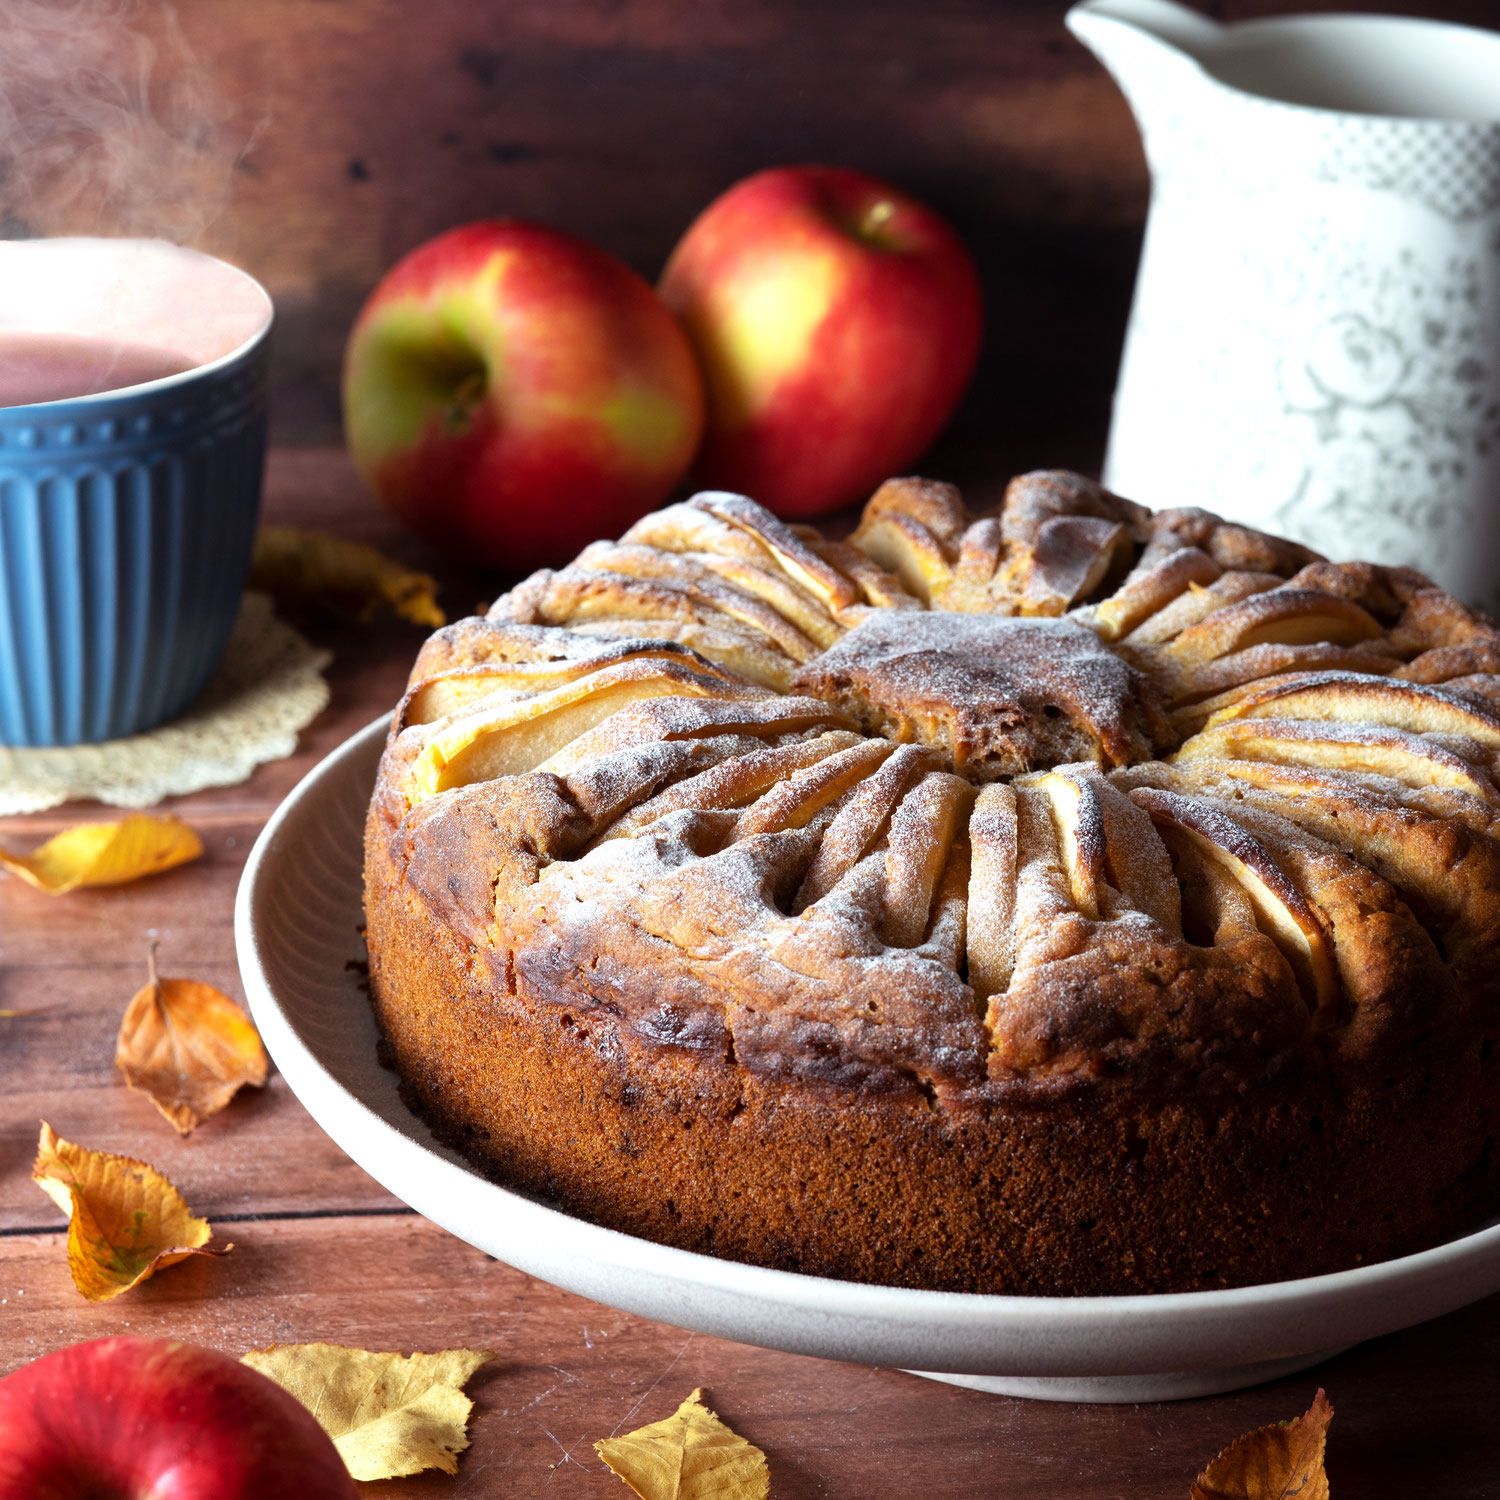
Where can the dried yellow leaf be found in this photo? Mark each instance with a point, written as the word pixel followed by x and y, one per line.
pixel 189 1047
pixel 106 853
pixel 1272 1463
pixel 125 1220
pixel 289 562
pixel 388 1414
pixel 691 1455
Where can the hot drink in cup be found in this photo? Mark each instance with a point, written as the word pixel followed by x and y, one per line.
pixel 63 366
pixel 132 442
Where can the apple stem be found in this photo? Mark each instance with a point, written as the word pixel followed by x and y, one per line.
pixel 467 394
pixel 875 219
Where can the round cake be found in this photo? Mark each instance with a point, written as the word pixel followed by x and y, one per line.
pixel 1066 900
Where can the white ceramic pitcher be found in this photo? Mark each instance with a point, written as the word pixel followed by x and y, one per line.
pixel 1314 345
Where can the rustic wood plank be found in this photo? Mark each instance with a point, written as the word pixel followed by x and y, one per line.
pixel 571 1371
pixel 77 960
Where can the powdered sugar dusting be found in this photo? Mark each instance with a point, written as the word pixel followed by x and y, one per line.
pixel 723 869
pixel 1000 695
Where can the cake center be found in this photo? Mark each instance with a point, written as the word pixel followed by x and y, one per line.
pixel 998 696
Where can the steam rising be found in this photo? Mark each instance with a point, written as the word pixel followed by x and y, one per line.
pixel 109 124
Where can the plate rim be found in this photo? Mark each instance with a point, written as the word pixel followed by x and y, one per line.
pixel 896 1308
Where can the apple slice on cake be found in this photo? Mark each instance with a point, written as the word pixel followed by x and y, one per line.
pixel 922 830
pixel 1108 845
pixel 992 890
pixel 706 570
pixel 519 736
pixel 1284 913
pixel 1197 602
pixel 1280 616
pixel 904 546
pixel 1147 591
pixel 1374 749
pixel 462 689
pixel 794 802
pixel 862 821
pixel 1351 698
pixel 736 780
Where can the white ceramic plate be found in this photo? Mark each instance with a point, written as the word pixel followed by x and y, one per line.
pixel 296 929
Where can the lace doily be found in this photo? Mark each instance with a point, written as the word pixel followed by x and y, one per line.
pixel 268 687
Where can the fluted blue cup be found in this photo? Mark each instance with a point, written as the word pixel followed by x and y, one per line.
pixel 126 518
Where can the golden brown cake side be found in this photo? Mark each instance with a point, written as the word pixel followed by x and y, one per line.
pixel 680 915
pixel 1091 1192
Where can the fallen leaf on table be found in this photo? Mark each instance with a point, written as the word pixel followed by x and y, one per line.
pixel 188 1046
pixel 106 853
pixel 1272 1463
pixel 691 1455
pixel 125 1220
pixel 289 562
pixel 388 1414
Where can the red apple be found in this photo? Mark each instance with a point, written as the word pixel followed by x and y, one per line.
pixel 152 1419
pixel 837 321
pixel 512 393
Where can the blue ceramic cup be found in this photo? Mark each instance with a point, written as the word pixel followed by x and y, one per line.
pixel 127 517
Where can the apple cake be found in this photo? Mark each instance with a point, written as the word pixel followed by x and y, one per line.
pixel 1069 899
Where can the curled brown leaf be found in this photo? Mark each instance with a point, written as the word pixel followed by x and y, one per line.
pixel 188 1046
pixel 301 564
pixel 125 1220
pixel 1278 1462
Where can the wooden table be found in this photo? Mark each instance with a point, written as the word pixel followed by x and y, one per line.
pixel 322 1252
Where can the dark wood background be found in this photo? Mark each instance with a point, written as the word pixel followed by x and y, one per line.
pixel 377 123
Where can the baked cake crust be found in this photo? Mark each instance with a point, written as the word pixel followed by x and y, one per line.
pixel 1075 899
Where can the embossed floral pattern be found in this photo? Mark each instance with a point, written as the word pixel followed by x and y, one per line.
pixel 1315 341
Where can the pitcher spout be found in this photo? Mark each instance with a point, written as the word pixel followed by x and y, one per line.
pixel 1144 43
